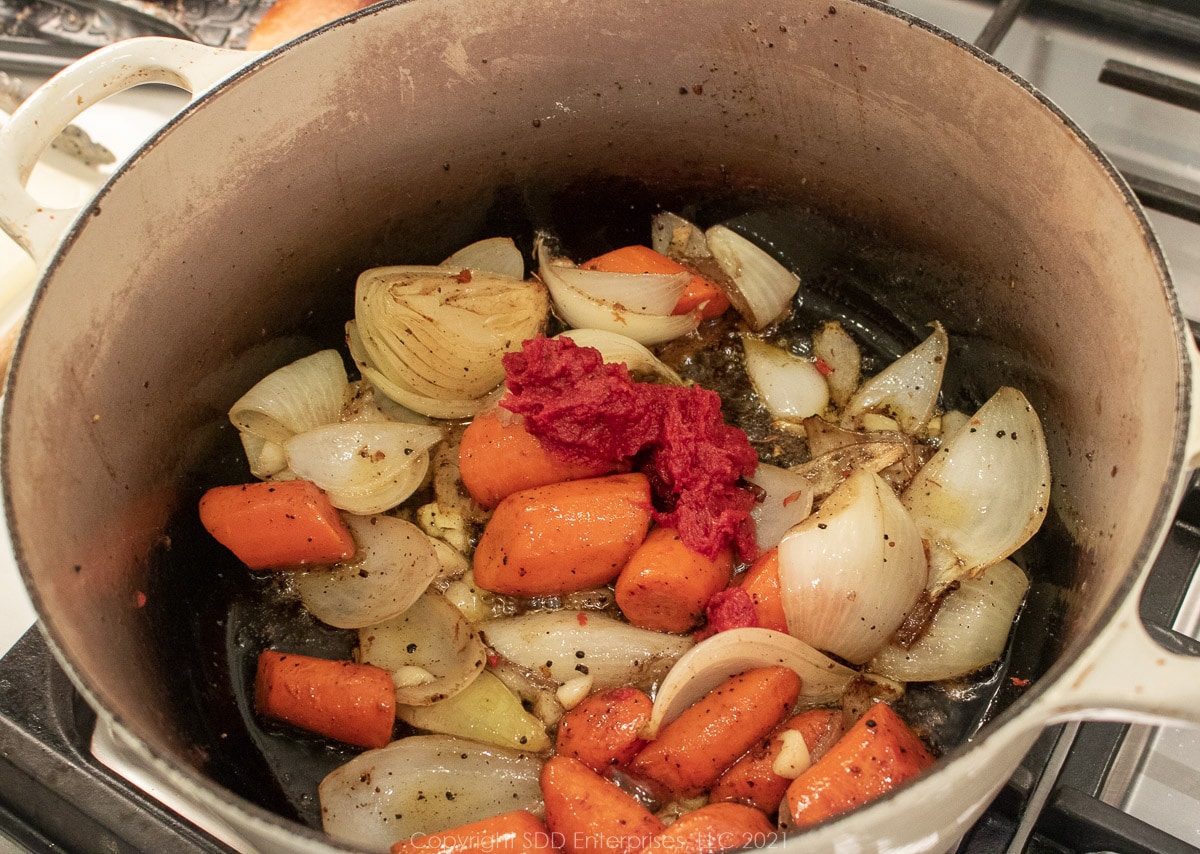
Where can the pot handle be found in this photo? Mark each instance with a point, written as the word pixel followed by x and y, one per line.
pixel 1192 447
pixel 1132 673
pixel 104 72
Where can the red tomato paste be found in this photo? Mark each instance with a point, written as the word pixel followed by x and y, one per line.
pixel 585 410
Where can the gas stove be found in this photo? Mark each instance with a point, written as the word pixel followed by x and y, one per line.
pixel 1126 71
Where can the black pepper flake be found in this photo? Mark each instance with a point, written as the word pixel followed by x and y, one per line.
pixel 582 668
pixel 822 525
pixel 449 796
pixel 412 647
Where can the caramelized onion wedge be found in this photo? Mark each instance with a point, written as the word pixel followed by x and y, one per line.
pixel 985 493
pixel 617 348
pixel 424 784
pixel 584 311
pixel 791 388
pixel 563 645
pixel 492 255
pixel 431 650
pixel 405 395
pixel 833 345
pixel 968 631
pixel 678 238
pixel 484 711
pixel 825 473
pixel 443 333
pixel 850 572
pixel 763 288
pixel 365 467
pixel 728 653
pixel 393 565
pixel 907 389
pixel 787 501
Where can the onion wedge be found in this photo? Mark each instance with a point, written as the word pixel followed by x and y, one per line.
pixel 365 467
pixel 492 255
pixel 563 645
pixel 677 238
pixel 985 492
pixel 424 784
pixel 307 393
pixel 585 311
pixel 825 473
pixel 617 348
pixel 728 653
pixel 791 388
pixel 393 565
pixel 299 396
pixel 850 572
pixel 907 389
pixel 431 650
pixel 968 631
pixel 486 711
pixel 787 501
pixel 443 334
pixel 763 288
pixel 843 360
pixel 404 395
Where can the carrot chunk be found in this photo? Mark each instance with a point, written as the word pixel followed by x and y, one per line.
pixel 875 755
pixel 270 524
pixel 586 813
pixel 761 581
pixel 342 700
pixel 642 259
pixel 602 731
pixel 693 750
pixel 752 779
pixel 517 832
pixel 563 537
pixel 714 828
pixel 665 585
pixel 498 456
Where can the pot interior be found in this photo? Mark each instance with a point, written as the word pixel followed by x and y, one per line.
pixel 905 178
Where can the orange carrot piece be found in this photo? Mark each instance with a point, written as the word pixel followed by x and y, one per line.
pixel 875 755
pixel 714 828
pixel 586 813
pixel 693 750
pixel 498 456
pixel 563 537
pixel 602 731
pixel 761 581
pixel 643 259
pixel 752 779
pixel 665 585
pixel 517 832
pixel 270 524
pixel 342 700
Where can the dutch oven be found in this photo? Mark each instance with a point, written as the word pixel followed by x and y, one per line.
pixel 229 243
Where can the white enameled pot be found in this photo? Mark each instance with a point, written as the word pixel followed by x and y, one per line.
pixel 400 131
